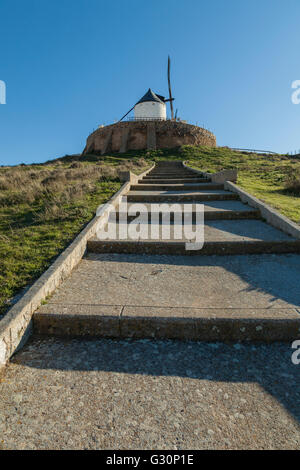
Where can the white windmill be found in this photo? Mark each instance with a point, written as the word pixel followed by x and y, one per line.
pixel 152 106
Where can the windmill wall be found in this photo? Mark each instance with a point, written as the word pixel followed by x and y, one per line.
pixel 150 109
pixel 140 135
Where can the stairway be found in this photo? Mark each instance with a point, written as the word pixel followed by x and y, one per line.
pixel 230 227
pixel 149 288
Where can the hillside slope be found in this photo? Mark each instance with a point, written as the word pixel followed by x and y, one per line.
pixel 43 207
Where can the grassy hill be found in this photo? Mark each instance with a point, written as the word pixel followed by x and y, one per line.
pixel 43 207
pixel 273 179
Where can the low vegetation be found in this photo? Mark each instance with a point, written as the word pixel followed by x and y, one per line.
pixel 292 184
pixel 274 179
pixel 43 207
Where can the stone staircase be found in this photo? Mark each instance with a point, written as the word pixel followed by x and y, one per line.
pixel 137 288
pixel 104 391
pixel 231 227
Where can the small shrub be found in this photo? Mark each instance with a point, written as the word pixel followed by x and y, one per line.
pixel 5 185
pixel 292 183
pixel 76 165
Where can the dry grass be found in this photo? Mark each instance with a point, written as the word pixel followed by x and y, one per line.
pixel 43 207
pixel 57 185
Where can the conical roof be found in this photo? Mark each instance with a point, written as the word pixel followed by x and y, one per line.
pixel 150 96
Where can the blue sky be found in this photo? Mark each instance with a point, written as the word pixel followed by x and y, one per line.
pixel 71 65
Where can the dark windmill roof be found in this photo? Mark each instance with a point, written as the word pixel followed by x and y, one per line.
pixel 151 96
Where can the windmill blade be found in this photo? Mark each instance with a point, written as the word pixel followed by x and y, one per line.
pixel 170 91
pixel 126 113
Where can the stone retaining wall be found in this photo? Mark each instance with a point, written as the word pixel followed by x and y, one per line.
pixel 139 135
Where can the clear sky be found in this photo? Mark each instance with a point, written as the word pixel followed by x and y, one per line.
pixel 71 65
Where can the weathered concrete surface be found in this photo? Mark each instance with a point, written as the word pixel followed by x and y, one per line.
pixel 181 196
pixel 174 247
pixel 224 175
pixel 174 187
pixel 224 298
pixel 213 210
pixel 150 395
pixel 185 179
pixel 225 230
pixel 212 206
pixel 220 237
pixel 265 281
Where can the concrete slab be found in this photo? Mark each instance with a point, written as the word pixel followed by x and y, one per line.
pixel 172 181
pixel 165 196
pixel 79 320
pixel 212 210
pixel 212 206
pixel 106 394
pixel 179 248
pixel 175 187
pixel 207 298
pixel 214 231
pixel 170 192
pixel 185 178
pixel 171 173
pixel 264 281
pixel 227 230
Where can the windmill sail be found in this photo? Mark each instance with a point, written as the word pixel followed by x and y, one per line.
pixel 170 91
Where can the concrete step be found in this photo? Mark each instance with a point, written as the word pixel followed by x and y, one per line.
pixel 172 180
pixel 175 187
pixel 192 295
pixel 208 215
pixel 170 176
pixel 169 164
pixel 179 248
pixel 220 237
pixel 182 297
pixel 181 174
pixel 137 322
pixel 213 210
pixel 162 173
pixel 180 196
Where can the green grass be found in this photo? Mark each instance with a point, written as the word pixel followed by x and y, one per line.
pixel 266 177
pixel 43 207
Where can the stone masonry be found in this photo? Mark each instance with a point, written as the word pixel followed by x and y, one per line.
pixel 139 135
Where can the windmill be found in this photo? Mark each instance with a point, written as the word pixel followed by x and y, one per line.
pixel 153 105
